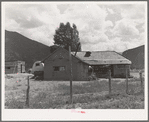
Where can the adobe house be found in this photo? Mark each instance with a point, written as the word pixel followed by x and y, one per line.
pixel 57 67
pixel 14 67
pixel 102 61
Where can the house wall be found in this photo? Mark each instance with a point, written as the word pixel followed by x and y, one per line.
pixel 11 70
pixel 61 58
pixel 14 67
pixel 81 71
pixel 10 67
pixel 21 66
pixel 101 71
pixel 117 71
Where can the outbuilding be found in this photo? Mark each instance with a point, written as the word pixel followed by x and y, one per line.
pixel 57 67
pixel 14 67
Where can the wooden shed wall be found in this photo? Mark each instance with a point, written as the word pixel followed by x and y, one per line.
pixel 121 71
pixel 14 67
pixel 61 58
pixel 10 70
pixel 21 67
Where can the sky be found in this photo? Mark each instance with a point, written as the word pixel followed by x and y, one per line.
pixel 114 26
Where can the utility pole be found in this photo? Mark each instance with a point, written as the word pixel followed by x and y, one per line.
pixel 70 61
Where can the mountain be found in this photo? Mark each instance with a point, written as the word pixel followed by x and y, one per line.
pixel 136 56
pixel 19 47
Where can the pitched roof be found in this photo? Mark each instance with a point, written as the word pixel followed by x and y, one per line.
pixel 64 50
pixel 97 57
pixel 102 57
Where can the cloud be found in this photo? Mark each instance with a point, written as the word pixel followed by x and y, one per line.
pixel 26 17
pixel 133 11
pixel 43 34
pixel 101 46
pixel 11 25
pixel 34 21
pixel 113 45
pixel 110 11
pixel 125 27
pixel 101 27
pixel 142 38
pixel 90 14
pixel 91 22
pixel 94 39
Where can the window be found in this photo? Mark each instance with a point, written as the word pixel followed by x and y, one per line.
pixel 59 68
pixel 37 64
pixel 121 66
pixel 7 67
pixel 56 68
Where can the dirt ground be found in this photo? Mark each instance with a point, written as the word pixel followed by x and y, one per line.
pixel 86 94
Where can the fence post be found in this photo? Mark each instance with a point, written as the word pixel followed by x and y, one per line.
pixel 109 81
pixel 70 61
pixel 141 80
pixel 27 92
pixel 126 81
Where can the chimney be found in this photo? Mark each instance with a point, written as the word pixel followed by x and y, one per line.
pixel 87 54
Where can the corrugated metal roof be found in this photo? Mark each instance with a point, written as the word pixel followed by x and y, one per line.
pixel 102 57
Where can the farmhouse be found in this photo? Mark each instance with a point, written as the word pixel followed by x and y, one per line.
pixel 14 67
pixel 102 61
pixel 57 67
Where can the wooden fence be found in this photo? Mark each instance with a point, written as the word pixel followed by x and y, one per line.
pixel 127 81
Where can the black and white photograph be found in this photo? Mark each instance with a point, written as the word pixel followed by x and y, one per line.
pixel 74 60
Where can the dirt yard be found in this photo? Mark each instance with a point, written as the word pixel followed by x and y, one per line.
pixel 86 94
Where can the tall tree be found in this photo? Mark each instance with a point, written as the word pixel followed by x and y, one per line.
pixel 66 36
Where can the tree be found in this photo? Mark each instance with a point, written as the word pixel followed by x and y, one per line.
pixel 66 36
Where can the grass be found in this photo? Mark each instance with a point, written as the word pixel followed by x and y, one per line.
pixel 86 94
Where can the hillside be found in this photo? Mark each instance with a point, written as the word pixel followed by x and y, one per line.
pixel 18 47
pixel 136 56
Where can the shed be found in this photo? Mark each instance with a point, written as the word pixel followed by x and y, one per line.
pixel 14 67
